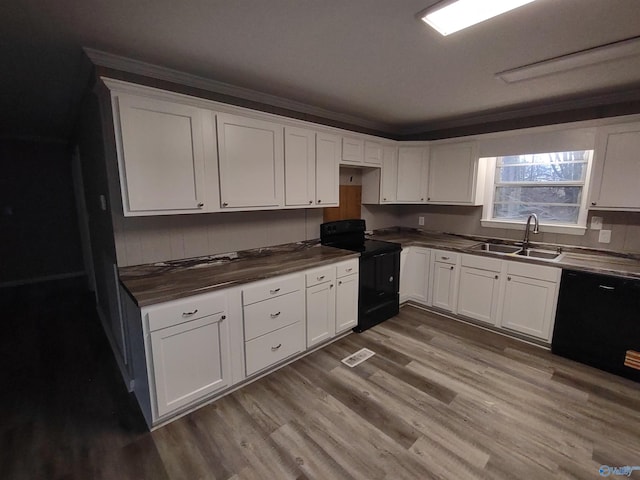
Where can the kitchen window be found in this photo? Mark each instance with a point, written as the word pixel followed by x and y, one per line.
pixel 552 185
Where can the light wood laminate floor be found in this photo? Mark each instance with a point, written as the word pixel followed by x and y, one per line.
pixel 440 399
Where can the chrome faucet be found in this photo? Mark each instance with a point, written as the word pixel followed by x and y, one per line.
pixel 536 229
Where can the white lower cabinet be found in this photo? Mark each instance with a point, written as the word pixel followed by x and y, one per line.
pixel 479 288
pixel 189 350
pixel 321 312
pixel 273 312
pixel 347 301
pixel 444 280
pixel 530 298
pixel 414 275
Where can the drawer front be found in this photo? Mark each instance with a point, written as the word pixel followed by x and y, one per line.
pixel 347 268
pixel 540 272
pixel 273 314
pixel 260 291
pixel 321 275
pixel 269 349
pixel 445 256
pixel 184 310
pixel 483 263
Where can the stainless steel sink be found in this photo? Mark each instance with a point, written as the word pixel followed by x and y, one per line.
pixel 541 254
pixel 496 248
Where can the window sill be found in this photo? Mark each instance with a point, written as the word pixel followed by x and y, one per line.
pixel 549 228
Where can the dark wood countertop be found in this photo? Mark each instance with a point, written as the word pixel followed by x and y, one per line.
pixel 160 282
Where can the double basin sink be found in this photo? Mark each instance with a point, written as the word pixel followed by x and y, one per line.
pixel 516 250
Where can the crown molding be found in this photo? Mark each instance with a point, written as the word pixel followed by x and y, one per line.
pixel 129 65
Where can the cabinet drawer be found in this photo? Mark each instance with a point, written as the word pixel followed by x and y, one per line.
pixel 347 268
pixel 269 349
pixel 269 315
pixel 540 272
pixel 321 275
pixel 445 256
pixel 271 288
pixel 180 311
pixel 483 263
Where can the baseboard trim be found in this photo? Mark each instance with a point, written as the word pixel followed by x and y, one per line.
pixel 46 278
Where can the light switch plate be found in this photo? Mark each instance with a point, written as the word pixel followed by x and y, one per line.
pixel 604 236
pixel 596 223
pixel 420 220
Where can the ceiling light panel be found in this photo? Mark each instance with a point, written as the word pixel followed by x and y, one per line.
pixel 451 16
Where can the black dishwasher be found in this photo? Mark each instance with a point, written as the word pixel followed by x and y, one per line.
pixel 598 322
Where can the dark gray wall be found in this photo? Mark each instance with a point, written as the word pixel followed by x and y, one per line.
pixel 39 234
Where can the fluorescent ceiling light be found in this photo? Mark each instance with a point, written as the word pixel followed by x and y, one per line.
pixel 584 58
pixel 450 16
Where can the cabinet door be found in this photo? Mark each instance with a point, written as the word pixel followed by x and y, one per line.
pixel 321 313
pixel 412 185
pixel 352 150
pixel 346 303
pixel 372 153
pixel 190 361
pixel 417 278
pixel 444 286
pixel 452 173
pixel 161 155
pixel 251 159
pixel 617 169
pixel 299 166
pixel 389 174
pixel 478 294
pixel 327 170
pixel 529 306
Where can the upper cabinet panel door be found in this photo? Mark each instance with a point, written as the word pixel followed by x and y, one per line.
pixel 412 183
pixel 299 166
pixel 452 173
pixel 327 170
pixel 251 159
pixel 389 174
pixel 616 182
pixel 372 153
pixel 352 150
pixel 161 155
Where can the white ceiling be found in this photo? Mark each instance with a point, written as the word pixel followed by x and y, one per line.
pixel 370 59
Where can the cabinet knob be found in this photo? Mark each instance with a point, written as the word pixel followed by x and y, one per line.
pixel 275 315
pixel 273 349
pixel 224 204
pixel 496 277
pixel 384 199
pixel 340 282
pixel 188 314
pixel 310 202
pixel 321 277
pixel 331 286
pixel 594 203
pixel 200 205
pixel 422 199
pixel 274 291
pixel 451 267
pixel 509 278
pixel 319 201
pixel 428 198
pixel 348 269
pixel 223 317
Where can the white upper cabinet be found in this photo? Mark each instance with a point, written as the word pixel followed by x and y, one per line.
pixel 299 166
pixel 453 174
pixel 616 176
pixel 372 153
pixel 352 150
pixel 251 162
pixel 327 170
pixel 389 174
pixel 412 174
pixel 161 155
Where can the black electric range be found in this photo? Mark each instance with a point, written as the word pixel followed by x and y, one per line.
pixel 379 285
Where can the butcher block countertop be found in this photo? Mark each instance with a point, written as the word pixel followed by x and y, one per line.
pixel 160 282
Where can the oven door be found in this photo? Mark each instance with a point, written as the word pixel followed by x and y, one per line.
pixel 379 287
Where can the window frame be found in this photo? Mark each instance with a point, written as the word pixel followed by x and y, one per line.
pixel 579 228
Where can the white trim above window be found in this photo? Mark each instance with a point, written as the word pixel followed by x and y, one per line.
pixel 552 185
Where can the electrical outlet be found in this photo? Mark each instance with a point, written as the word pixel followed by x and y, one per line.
pixel 421 221
pixel 596 223
pixel 604 236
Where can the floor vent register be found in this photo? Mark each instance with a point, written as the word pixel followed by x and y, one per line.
pixel 358 357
